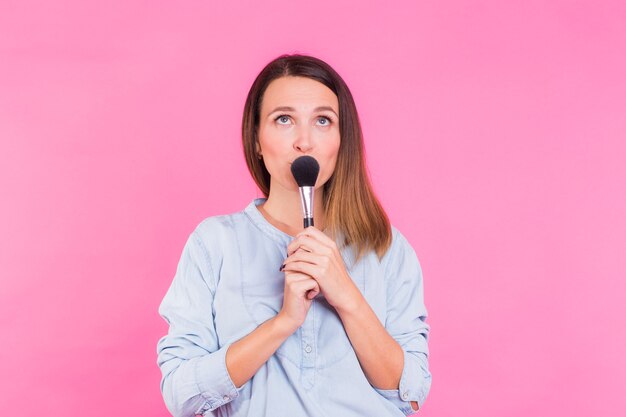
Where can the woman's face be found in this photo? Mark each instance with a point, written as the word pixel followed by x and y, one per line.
pixel 299 116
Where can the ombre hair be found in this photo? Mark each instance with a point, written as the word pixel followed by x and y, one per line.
pixel 350 205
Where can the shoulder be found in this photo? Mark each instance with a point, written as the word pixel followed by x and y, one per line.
pixel 216 234
pixel 400 253
pixel 399 245
pixel 226 225
pixel 215 227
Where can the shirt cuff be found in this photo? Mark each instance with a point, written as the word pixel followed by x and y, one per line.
pixel 414 385
pixel 214 382
pixel 394 396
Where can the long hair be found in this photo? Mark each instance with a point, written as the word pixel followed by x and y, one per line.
pixel 350 205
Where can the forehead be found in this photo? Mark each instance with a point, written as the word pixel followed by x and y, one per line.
pixel 299 92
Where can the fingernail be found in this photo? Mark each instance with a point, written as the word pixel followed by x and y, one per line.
pixel 282 267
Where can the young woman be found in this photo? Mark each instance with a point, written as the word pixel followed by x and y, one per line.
pixel 268 319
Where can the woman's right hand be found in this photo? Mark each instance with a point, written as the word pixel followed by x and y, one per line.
pixel 300 289
pixel 245 356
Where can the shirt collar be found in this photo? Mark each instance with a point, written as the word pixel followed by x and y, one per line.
pixel 261 222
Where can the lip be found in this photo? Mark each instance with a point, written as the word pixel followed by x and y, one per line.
pixel 291 162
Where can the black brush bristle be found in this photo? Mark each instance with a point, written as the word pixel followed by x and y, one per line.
pixel 305 170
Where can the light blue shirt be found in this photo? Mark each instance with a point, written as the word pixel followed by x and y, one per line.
pixel 228 282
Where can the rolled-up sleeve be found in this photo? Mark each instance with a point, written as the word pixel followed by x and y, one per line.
pixel 406 323
pixel 195 379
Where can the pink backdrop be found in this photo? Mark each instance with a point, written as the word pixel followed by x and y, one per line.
pixel 496 138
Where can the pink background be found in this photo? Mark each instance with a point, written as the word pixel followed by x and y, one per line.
pixel 496 139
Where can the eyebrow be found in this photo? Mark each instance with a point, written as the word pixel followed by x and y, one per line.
pixel 320 108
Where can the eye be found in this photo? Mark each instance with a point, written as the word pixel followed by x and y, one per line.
pixel 283 119
pixel 323 121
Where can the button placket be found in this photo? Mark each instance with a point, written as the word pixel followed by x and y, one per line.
pixel 308 347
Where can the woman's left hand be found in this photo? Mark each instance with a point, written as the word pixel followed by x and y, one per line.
pixel 315 254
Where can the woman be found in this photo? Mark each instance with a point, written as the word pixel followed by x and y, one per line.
pixel 268 319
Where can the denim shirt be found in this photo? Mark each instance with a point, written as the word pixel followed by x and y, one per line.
pixel 228 282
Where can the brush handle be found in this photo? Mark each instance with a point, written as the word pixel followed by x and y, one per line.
pixel 308 221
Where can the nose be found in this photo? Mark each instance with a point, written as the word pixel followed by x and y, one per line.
pixel 303 142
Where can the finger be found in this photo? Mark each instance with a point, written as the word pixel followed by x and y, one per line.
pixel 311 230
pixel 296 245
pixel 313 293
pixel 302 257
pixel 300 288
pixel 297 249
pixel 308 257
pixel 293 264
pixel 293 276
pixel 310 244
pixel 314 271
pixel 316 233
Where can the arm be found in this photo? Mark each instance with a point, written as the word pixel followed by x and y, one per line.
pixel 194 374
pixel 380 356
pixel 393 356
pixel 246 356
pixel 198 375
pixel 406 322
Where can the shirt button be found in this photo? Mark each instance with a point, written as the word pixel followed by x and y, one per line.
pixel 308 349
pixel 405 396
pixel 226 398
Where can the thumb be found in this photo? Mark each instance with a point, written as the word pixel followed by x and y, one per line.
pixel 313 293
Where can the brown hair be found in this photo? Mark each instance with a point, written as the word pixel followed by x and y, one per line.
pixel 350 206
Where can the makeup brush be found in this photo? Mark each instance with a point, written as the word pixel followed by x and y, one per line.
pixel 305 170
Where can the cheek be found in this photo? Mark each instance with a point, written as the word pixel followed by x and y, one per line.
pixel 334 152
pixel 330 155
pixel 274 139
pixel 270 144
pixel 333 149
pixel 275 149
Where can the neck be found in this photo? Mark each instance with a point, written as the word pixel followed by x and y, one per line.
pixel 283 209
